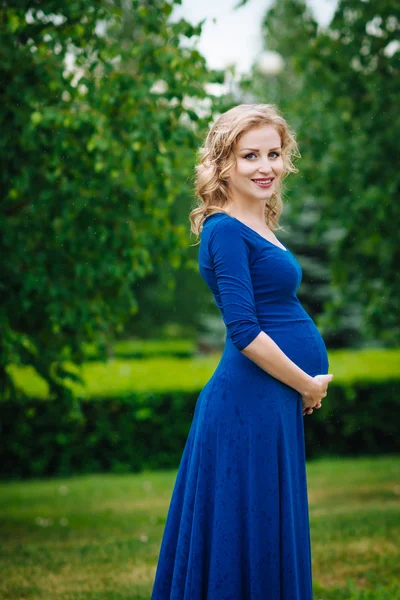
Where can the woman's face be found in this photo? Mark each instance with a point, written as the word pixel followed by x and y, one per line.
pixel 259 164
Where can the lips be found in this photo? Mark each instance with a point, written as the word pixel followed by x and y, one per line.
pixel 264 181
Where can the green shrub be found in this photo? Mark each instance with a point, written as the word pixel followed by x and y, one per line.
pixel 145 349
pixel 140 417
pixel 149 430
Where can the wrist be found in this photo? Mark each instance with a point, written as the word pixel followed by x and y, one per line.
pixel 306 385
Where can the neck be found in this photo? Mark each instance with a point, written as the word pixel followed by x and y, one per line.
pixel 253 212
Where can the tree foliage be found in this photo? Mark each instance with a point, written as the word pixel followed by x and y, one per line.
pixel 97 107
pixel 357 180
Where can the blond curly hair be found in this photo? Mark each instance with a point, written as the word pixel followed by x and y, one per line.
pixel 216 158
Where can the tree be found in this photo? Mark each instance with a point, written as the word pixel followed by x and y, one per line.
pixel 357 66
pixel 94 116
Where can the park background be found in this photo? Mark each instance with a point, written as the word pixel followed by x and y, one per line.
pixel 108 332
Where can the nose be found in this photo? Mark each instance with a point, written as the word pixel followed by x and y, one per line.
pixel 265 167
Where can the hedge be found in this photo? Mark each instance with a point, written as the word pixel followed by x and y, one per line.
pixel 132 348
pixel 138 428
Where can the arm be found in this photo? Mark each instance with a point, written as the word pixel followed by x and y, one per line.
pixel 267 355
pixel 229 253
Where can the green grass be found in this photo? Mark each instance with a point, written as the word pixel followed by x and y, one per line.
pixel 97 537
pixel 108 380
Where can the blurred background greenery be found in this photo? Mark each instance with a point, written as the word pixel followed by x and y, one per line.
pixel 108 332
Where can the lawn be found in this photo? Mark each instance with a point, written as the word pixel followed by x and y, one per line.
pixel 97 537
pixel 122 376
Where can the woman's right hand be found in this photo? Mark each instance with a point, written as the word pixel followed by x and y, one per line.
pixel 318 390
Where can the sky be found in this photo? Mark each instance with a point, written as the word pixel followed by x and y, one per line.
pixel 232 36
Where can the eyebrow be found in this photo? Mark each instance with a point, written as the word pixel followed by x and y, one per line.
pixel 257 149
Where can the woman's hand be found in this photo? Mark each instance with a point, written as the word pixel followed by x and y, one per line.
pixel 312 397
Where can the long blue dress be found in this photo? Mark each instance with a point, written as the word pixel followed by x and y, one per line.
pixel 238 523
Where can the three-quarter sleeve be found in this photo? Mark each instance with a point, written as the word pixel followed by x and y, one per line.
pixel 230 257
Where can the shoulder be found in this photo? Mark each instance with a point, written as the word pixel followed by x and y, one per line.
pixel 226 234
pixel 222 225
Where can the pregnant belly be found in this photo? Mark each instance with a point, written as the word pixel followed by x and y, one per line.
pixel 301 341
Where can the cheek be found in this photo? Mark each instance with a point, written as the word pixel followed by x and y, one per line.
pixel 244 168
pixel 240 172
pixel 279 166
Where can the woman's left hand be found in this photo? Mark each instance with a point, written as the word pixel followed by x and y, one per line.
pixel 308 411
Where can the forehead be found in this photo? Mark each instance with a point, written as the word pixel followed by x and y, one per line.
pixel 265 136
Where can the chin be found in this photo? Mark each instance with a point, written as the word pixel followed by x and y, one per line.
pixel 264 193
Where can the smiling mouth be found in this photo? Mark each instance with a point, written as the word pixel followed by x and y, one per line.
pixel 265 182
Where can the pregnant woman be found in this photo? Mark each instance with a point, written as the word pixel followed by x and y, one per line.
pixel 238 522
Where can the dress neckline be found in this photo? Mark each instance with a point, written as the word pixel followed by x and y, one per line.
pixel 284 249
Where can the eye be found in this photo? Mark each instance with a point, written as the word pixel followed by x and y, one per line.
pixel 274 155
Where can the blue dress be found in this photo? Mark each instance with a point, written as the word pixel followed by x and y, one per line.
pixel 238 524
